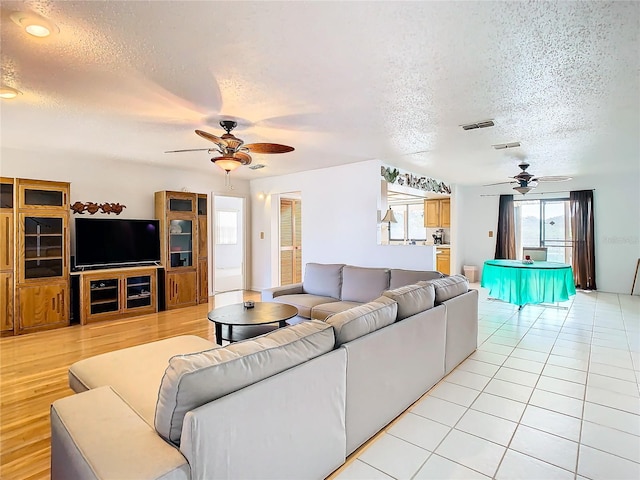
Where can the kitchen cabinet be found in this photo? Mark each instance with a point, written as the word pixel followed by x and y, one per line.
pixel 443 260
pixel 437 213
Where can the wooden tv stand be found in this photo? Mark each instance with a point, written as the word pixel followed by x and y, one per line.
pixel 117 293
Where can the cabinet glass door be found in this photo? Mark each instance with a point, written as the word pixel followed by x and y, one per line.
pixel 139 291
pixel 36 197
pixel 6 195
pixel 104 296
pixel 43 247
pixel 181 243
pixel 180 205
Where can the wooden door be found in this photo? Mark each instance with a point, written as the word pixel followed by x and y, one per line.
pixel 41 307
pixel 445 213
pixel 181 289
pixel 6 302
pixel 432 213
pixel 6 241
pixel 290 241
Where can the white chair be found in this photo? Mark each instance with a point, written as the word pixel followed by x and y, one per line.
pixel 537 254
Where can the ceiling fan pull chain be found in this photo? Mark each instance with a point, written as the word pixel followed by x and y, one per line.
pixel 227 180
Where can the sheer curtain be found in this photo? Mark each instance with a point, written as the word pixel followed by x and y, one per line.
pixel 584 255
pixel 506 234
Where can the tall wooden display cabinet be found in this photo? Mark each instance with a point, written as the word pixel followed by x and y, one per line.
pixel 42 255
pixel 180 234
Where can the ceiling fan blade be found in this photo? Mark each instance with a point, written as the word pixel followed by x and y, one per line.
pixel 190 150
pixel 212 138
pixel 268 148
pixel 551 178
pixel 499 183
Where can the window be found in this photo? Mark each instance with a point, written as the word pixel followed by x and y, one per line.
pixel 226 227
pixel 410 223
pixel 544 223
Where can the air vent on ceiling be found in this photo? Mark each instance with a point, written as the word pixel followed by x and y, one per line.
pixel 502 146
pixel 473 126
pixel 257 166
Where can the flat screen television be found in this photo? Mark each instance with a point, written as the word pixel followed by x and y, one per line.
pixel 110 241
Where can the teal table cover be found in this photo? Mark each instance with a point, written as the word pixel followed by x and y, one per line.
pixel 518 283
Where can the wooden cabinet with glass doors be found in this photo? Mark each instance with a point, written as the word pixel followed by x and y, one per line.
pixel 179 246
pixel 117 293
pixel 42 256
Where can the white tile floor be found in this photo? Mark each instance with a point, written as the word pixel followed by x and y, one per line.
pixel 550 393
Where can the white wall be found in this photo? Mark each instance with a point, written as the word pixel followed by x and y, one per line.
pixel 617 225
pixel 339 222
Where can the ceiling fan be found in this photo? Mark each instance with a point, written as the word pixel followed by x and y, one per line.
pixel 234 152
pixel 526 182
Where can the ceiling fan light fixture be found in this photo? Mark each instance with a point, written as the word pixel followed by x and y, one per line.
pixel 228 164
pixel 523 190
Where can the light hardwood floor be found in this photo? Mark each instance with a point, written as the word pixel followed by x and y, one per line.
pixel 33 373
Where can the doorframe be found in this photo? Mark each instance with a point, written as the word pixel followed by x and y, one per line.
pixel 212 237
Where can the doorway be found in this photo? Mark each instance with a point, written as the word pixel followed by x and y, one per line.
pixel 228 234
pixel 290 238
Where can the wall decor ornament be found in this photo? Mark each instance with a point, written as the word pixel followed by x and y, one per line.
pixel 93 208
pixel 413 181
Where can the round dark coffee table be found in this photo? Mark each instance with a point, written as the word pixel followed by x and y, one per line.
pixel 247 319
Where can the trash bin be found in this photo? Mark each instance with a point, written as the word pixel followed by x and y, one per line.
pixel 471 272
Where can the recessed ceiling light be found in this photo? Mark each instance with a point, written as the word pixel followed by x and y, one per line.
pixel 34 24
pixel 9 92
pixel 257 166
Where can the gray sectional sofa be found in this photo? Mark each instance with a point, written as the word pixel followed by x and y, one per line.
pixel 292 403
pixel 333 288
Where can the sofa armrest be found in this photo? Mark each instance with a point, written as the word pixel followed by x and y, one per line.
pixel 462 328
pixel 96 435
pixel 268 294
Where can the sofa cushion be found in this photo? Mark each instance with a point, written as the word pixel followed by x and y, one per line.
pixel 322 311
pixel 144 366
pixel 195 379
pixel 449 287
pixel 324 280
pixel 400 278
pixel 304 302
pixel 412 299
pixel 363 319
pixel 360 284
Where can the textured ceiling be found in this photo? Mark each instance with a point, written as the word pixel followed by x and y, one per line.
pixel 340 81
